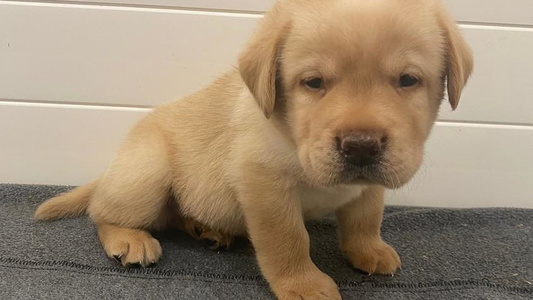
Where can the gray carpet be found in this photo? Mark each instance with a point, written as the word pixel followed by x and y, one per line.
pixel 447 254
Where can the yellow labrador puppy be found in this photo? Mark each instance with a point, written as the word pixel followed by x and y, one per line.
pixel 331 104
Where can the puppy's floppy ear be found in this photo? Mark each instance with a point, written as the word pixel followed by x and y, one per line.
pixel 460 62
pixel 258 63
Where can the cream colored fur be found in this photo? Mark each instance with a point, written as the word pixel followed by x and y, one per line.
pixel 252 154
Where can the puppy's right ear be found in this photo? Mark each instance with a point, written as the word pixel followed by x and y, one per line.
pixel 258 63
pixel 459 60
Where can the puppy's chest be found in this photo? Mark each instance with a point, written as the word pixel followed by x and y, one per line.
pixel 318 202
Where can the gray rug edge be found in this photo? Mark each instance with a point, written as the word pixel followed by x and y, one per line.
pixel 161 274
pixel 70 267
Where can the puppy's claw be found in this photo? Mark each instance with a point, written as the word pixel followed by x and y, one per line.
pixel 213 239
pixel 198 231
pixel 152 264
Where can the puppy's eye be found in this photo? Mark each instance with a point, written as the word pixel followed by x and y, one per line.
pixel 314 83
pixel 407 80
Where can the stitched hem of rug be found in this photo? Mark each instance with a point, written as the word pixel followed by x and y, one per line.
pixel 210 277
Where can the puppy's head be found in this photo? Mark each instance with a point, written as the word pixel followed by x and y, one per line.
pixel 358 83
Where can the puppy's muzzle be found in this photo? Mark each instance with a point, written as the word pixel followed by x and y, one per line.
pixel 361 149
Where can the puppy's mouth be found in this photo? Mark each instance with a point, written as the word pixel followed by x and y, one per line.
pixel 379 173
pixel 367 174
pixel 339 169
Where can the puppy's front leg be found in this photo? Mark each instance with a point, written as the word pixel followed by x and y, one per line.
pixel 360 227
pixel 276 229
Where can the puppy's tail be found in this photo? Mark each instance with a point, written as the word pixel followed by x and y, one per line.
pixel 70 204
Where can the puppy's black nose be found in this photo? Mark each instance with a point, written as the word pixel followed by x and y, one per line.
pixel 361 149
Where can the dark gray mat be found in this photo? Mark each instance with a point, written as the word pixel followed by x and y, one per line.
pixel 447 254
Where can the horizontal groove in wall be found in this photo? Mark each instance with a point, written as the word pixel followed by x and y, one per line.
pixel 495 26
pixel 99 106
pixel 221 12
pixel 60 105
pixel 137 7
pixel 495 125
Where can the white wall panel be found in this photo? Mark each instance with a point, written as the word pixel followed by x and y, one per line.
pixel 513 12
pixel 466 165
pixel 473 165
pixel 107 55
pixel 478 11
pixel 142 57
pixel 60 144
pixel 501 87
pixel 87 62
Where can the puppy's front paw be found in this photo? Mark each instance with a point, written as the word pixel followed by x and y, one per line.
pixel 313 285
pixel 373 256
pixel 133 248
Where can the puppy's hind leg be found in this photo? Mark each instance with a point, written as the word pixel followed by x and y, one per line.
pixel 214 239
pixel 132 198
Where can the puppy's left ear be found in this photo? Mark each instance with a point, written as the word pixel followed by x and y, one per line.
pixel 258 63
pixel 460 61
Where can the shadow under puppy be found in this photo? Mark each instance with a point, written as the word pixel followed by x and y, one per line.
pixel 332 103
